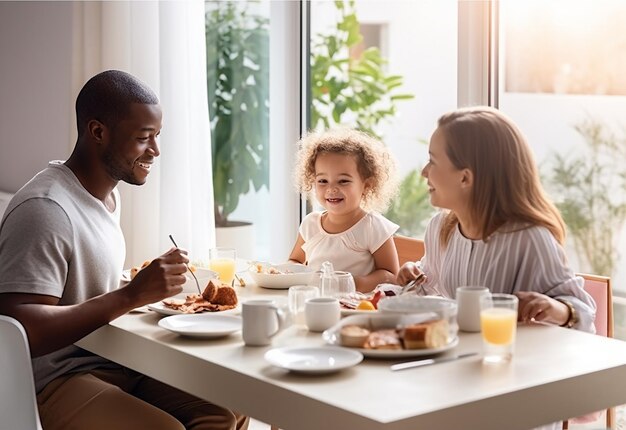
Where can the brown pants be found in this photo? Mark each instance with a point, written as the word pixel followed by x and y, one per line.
pixel 123 399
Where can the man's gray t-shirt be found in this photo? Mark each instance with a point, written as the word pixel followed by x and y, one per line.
pixel 58 240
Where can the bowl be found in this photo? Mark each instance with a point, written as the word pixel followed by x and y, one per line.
pixel 203 275
pixel 412 304
pixel 291 274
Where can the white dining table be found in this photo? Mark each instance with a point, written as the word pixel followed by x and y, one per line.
pixel 556 373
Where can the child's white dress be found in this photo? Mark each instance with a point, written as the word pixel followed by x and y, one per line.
pixel 350 250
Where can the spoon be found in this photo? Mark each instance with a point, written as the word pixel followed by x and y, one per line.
pixel 188 268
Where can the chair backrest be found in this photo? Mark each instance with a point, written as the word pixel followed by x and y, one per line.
pixel 599 287
pixel 409 249
pixel 18 401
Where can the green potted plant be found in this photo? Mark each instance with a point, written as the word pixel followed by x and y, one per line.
pixel 237 43
pixel 589 187
pixel 345 89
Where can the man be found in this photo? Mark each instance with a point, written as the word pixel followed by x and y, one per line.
pixel 61 256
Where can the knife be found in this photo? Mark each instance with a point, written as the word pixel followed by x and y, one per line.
pixel 426 362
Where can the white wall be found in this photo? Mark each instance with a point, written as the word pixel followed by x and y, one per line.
pixel 36 104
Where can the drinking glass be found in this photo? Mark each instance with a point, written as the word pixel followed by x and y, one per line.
pixel 298 295
pixel 222 261
pixel 338 285
pixel 498 323
pixel 344 284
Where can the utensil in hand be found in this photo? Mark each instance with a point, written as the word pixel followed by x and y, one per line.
pixel 188 268
pixel 413 284
pixel 426 362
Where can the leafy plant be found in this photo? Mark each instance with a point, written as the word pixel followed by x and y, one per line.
pixel 238 90
pixel 349 90
pixel 412 209
pixel 590 187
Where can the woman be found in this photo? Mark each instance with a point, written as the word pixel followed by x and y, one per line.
pixel 498 228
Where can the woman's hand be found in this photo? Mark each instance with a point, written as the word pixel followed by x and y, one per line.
pixel 537 306
pixel 408 272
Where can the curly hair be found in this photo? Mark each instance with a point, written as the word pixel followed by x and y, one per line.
pixel 374 162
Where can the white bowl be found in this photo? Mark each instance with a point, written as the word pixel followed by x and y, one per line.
pixel 412 304
pixel 203 275
pixel 299 275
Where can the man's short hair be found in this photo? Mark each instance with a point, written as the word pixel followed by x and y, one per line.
pixel 107 96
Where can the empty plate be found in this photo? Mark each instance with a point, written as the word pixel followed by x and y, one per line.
pixel 202 325
pixel 313 359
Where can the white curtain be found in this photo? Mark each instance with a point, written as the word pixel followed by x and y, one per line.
pixel 163 44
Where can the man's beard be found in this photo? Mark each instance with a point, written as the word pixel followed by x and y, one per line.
pixel 119 170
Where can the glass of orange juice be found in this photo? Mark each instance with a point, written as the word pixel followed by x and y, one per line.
pixel 498 324
pixel 222 261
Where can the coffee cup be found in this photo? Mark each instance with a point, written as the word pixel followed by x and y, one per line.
pixel 468 301
pixel 321 313
pixel 262 319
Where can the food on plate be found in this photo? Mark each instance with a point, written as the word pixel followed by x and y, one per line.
pixel 430 334
pixel 365 305
pixel 222 297
pixel 225 296
pixel 383 339
pixel 270 270
pixel 353 336
pixel 210 291
pixel 354 300
pixel 426 335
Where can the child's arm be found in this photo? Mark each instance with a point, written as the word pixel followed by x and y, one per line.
pixel 297 254
pixel 386 268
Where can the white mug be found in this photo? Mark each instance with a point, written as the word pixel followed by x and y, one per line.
pixel 321 313
pixel 262 319
pixel 468 301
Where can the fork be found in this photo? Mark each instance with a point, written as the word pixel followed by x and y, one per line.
pixel 188 268
pixel 411 285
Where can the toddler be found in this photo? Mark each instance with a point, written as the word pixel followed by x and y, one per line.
pixel 350 175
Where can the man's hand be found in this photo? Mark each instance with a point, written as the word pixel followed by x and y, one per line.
pixel 537 306
pixel 163 278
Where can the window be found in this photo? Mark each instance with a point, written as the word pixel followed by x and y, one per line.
pixel 561 80
pixel 418 42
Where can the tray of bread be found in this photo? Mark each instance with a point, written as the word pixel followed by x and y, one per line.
pixel 393 336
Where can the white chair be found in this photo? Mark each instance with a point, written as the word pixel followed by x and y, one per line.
pixel 18 401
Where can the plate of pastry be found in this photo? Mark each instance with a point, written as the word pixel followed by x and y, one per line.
pixel 393 336
pixel 216 297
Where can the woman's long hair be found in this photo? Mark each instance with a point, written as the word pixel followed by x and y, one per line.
pixel 506 187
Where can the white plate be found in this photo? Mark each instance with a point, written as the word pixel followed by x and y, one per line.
pixel 348 312
pixel 160 308
pixel 202 325
pixel 313 359
pixel 382 321
pixel 301 275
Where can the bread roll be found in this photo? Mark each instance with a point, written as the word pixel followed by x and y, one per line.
pixel 430 334
pixel 353 336
pixel 225 295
